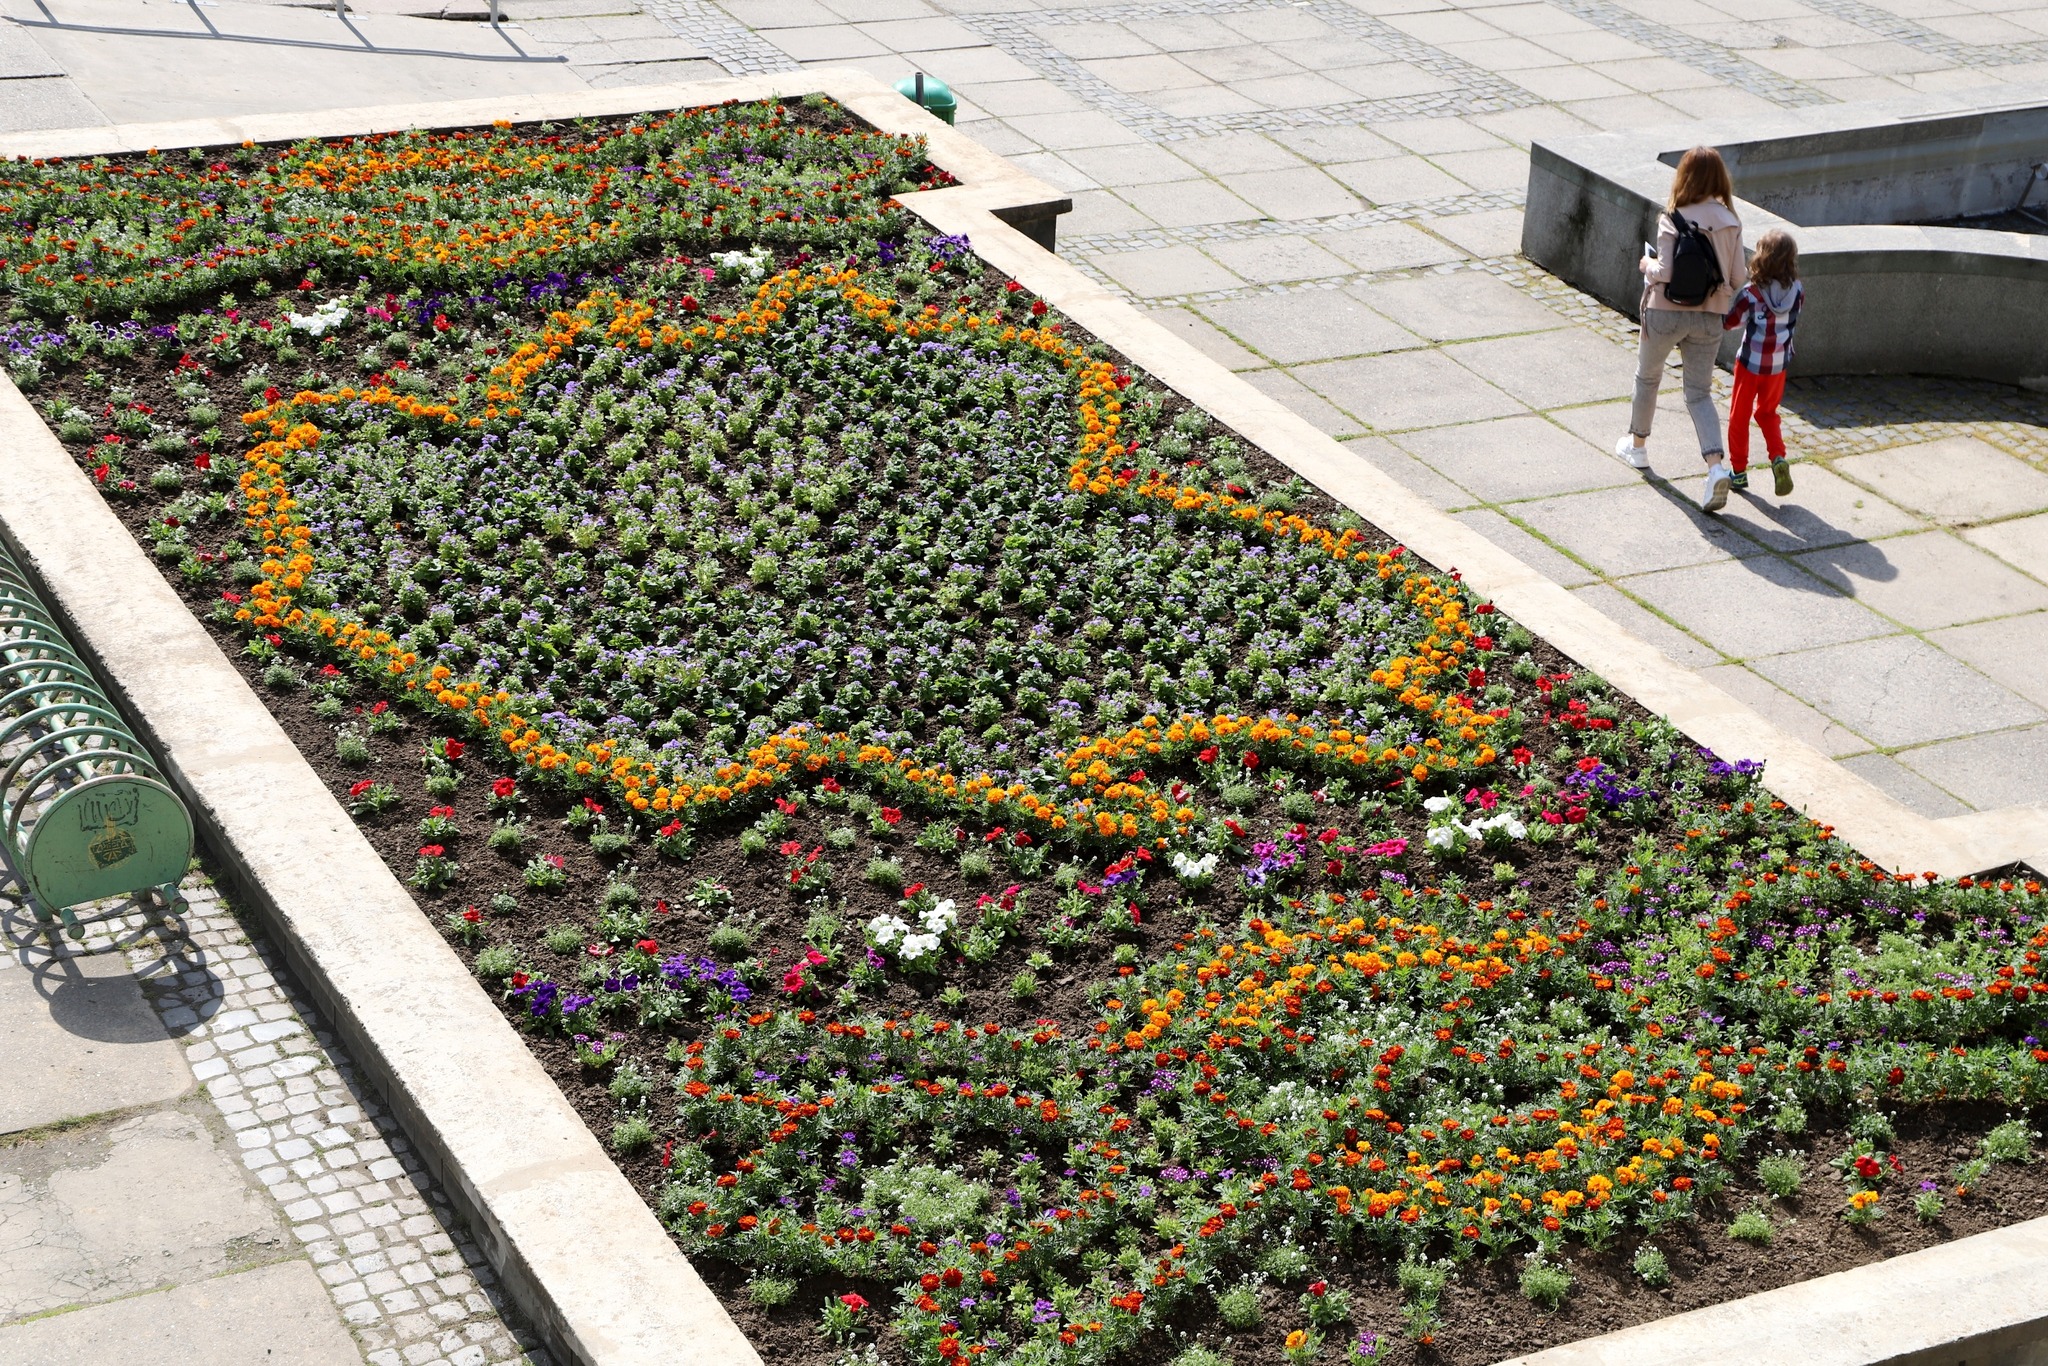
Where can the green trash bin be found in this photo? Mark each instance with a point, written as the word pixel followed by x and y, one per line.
pixel 930 92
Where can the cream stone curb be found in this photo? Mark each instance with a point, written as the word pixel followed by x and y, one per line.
pixel 1875 823
pixel 1980 1301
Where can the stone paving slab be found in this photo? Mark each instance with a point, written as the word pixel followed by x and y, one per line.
pixel 99 1213
pixel 279 1156
pixel 146 60
pixel 77 1038
pixel 265 1317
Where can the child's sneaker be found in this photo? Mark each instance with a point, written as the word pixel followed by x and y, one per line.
pixel 1781 471
pixel 1715 495
pixel 1739 480
pixel 1636 457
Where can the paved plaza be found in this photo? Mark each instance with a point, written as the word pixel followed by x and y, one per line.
pixel 187 1156
pixel 1326 197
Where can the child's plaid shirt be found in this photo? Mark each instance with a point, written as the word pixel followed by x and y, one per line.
pixel 1768 314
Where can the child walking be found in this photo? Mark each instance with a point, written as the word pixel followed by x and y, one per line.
pixel 1768 310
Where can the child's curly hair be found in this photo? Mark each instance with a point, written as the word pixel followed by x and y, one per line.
pixel 1775 260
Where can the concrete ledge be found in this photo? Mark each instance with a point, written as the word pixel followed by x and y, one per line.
pixel 1979 1301
pixel 1885 298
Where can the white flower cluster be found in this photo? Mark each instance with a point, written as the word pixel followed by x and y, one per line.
pixel 1194 869
pixel 912 945
pixel 751 265
pixel 1454 833
pixel 333 313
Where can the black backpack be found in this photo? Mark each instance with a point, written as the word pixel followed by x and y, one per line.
pixel 1695 268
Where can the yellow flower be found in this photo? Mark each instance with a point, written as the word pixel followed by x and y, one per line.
pixel 1296 1340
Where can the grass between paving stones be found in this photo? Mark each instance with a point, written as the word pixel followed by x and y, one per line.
pixel 1010 872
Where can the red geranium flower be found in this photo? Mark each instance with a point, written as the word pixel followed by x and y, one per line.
pixel 360 788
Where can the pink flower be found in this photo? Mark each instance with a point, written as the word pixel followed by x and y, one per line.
pixel 1392 848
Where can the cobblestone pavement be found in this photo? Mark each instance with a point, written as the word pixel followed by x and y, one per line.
pixel 1326 196
pixel 230 1140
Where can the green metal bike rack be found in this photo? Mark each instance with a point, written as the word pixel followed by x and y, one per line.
pixel 85 811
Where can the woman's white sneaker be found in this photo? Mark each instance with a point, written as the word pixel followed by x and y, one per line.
pixel 1634 456
pixel 1716 495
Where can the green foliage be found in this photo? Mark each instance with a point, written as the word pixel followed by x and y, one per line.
pixel 2011 1141
pixel 1545 1283
pixel 1780 1174
pixel 771 1292
pixel 1751 1226
pixel 1238 1306
pixel 1652 1266
pixel 632 1134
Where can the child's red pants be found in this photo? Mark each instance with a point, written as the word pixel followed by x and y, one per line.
pixel 1761 394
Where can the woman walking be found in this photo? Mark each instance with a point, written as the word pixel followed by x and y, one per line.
pixel 1688 284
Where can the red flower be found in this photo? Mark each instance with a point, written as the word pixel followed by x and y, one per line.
pixel 203 460
pixel 1038 308
pixel 689 303
pixel 473 915
pixel 647 946
pixel 1521 755
pixel 890 815
pixel 431 851
pixel 1207 756
pixel 830 784
pixel 1869 1168
pixel 360 788
pixel 453 749
pixel 1476 678
pixel 593 806
pixel 790 848
pixel 1895 1076
pixel 951 1277
pixel 274 638
pixel 853 1301
pixel 1251 760
pixel 504 787
pixel 329 671
pixel 230 596
pixel 272 394
pixel 99 474
pixel 441 323
pixel 1012 287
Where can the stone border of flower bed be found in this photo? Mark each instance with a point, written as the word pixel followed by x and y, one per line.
pixel 579 1251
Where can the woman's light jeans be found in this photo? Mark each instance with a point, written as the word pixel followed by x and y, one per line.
pixel 1698 339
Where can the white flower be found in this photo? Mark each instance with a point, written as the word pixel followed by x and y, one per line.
pixel 1438 805
pixel 1442 836
pixel 916 946
pixel 330 314
pixel 1194 869
pixel 942 917
pixel 751 264
pixel 887 928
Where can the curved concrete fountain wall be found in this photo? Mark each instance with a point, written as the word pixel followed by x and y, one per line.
pixel 1883 297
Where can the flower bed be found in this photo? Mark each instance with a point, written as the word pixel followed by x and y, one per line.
pixel 1007 869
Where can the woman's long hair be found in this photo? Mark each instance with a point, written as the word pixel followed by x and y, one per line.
pixel 1702 175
